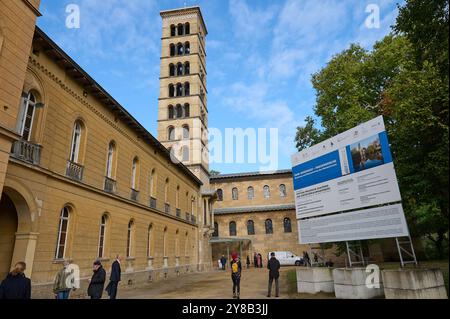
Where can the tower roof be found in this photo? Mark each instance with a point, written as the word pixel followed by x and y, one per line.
pixel 182 11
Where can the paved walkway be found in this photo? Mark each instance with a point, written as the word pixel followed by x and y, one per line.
pixel 209 285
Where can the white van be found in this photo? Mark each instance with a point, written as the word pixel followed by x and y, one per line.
pixel 287 258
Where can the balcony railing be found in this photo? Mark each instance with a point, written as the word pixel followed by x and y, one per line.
pixel 178 212
pixel 27 152
pixel 188 216
pixel 74 171
pixel 134 194
pixel 167 208
pixel 153 202
pixel 110 185
pixel 193 219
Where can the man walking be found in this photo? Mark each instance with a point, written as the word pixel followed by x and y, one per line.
pixel 223 261
pixel 16 285
pixel 236 269
pixel 97 282
pixel 61 286
pixel 274 266
pixel 114 279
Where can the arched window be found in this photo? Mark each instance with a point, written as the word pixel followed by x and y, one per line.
pixel 76 141
pixel 234 193
pixel 266 191
pixel 233 228
pixel 287 225
pixel 149 240
pixel 186 132
pixel 187 68
pixel 269 226
pixel 187 48
pixel 179 111
pixel 171 90
pixel 282 190
pixel 29 103
pixel 171 70
pixel 152 183
pixel 220 195
pixel 180 29
pixel 110 160
pixel 177 197
pixel 130 238
pixel 187 28
pixel 134 173
pixel 216 230
pixel 250 192
pixel 171 112
pixel 171 133
pixel 186 110
pixel 179 91
pixel 179 69
pixel 63 231
pixel 250 227
pixel 180 49
pixel 172 50
pixel 185 151
pixel 187 89
pixel 166 191
pixel 173 30
pixel 102 236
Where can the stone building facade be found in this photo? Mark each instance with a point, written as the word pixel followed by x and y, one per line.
pixel 80 178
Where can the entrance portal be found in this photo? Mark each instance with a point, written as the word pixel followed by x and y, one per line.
pixel 8 229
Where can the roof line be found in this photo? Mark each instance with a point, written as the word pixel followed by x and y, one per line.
pixel 251 174
pixel 139 128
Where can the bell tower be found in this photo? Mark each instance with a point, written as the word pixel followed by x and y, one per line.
pixel 182 105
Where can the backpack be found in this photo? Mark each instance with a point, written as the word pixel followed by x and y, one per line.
pixel 234 267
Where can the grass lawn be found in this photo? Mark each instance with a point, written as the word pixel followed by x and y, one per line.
pixel 291 276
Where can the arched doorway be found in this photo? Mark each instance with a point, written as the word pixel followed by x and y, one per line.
pixel 8 229
pixel 18 227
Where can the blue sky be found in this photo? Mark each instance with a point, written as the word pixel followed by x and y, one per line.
pixel 260 55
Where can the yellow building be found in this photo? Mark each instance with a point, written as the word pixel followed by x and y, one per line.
pixel 81 179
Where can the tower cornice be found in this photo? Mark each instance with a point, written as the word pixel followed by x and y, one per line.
pixel 184 11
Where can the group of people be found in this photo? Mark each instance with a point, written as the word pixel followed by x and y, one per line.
pixel 17 286
pixel 273 265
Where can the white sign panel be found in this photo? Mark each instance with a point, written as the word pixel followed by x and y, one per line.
pixel 381 222
pixel 349 171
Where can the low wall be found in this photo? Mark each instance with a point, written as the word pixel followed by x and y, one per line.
pixel 414 284
pixel 350 283
pixel 312 280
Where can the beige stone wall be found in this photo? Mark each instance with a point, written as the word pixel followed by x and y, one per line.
pixel 258 183
pixel 17 20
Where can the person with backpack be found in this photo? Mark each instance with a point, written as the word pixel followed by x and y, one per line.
pixel 236 269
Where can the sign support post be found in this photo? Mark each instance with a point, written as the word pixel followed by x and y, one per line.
pixel 352 253
pixel 402 250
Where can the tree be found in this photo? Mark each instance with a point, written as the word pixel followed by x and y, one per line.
pixel 405 79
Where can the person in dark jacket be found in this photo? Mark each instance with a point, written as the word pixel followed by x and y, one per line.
pixel 223 261
pixel 248 262
pixel 16 285
pixel 274 273
pixel 97 282
pixel 255 260
pixel 114 279
pixel 236 269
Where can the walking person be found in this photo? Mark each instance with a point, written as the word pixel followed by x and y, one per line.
pixel 114 279
pixel 236 269
pixel 306 259
pixel 16 285
pixel 255 260
pixel 274 274
pixel 219 264
pixel 248 262
pixel 97 282
pixel 223 261
pixel 258 260
pixel 61 285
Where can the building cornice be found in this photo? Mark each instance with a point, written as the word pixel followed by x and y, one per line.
pixel 184 11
